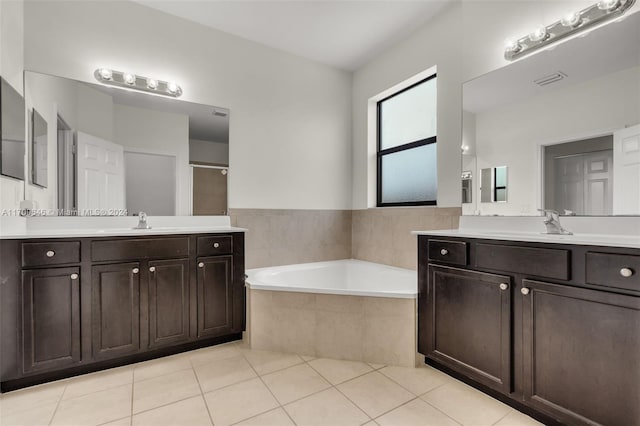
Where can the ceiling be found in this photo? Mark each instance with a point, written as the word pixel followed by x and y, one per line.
pixel 341 33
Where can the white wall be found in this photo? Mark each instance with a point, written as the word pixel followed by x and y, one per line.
pixel 510 135
pixel 149 131
pixel 290 133
pixel 11 68
pixel 208 151
pixel 465 41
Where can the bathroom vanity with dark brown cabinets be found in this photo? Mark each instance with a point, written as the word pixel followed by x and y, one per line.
pixel 552 329
pixel 74 305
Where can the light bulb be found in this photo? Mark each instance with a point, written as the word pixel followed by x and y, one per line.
pixel 224 172
pixel 608 5
pixel 172 87
pixel 130 79
pixel 105 73
pixel 511 45
pixel 539 34
pixel 152 84
pixel 571 20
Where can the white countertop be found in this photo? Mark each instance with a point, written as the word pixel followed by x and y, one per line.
pixel 614 231
pixel 76 227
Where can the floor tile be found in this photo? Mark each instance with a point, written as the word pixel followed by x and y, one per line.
pixel 275 417
pixel 375 394
pixel 516 418
pixel 240 401
pixel 328 407
pixel 192 412
pixel 224 372
pixel 212 354
pixel 36 416
pixel 34 396
pixel 164 389
pixel 266 362
pixel 94 382
pixel 95 408
pixel 466 405
pixel 371 423
pixel 295 383
pixel 375 366
pixel 416 380
pixel 307 357
pixel 415 413
pixel 120 422
pixel 338 371
pixel 158 367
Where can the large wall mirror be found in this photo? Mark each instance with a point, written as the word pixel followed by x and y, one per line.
pixel 566 124
pixel 12 131
pixel 118 152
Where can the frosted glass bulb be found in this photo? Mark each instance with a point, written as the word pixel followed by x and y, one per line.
pixel 105 74
pixel 608 5
pixel 511 45
pixel 538 34
pixel 152 84
pixel 129 79
pixel 172 87
pixel 571 20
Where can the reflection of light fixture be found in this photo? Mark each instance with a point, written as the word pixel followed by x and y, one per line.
pixel 132 81
pixel 465 148
pixel 224 172
pixel 570 24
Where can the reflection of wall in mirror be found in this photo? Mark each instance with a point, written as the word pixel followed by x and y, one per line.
pixel 469 159
pixel 512 134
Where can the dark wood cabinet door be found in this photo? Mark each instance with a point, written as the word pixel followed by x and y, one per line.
pixel 50 318
pixel 582 354
pixel 115 324
pixel 468 322
pixel 168 301
pixel 215 295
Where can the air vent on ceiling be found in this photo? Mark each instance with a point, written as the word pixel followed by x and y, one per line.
pixel 551 78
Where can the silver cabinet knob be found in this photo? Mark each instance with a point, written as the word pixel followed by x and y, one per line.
pixel 626 272
pixel 201 265
pixel 152 269
pixel 51 253
pixel 524 291
pixel 135 270
pixel 504 286
pixel 216 245
pixel 74 276
pixel 444 252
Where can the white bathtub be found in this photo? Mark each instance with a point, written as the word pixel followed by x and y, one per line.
pixel 344 309
pixel 346 277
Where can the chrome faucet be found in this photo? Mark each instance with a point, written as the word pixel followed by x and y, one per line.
pixel 552 222
pixel 142 221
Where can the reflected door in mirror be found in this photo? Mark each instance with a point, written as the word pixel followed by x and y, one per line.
pixel 209 190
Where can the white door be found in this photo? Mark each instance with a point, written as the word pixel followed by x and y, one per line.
pixel 626 171
pixel 100 176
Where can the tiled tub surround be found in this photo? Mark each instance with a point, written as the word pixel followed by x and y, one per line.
pixel 345 309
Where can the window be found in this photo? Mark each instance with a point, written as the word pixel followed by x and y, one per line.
pixel 407 161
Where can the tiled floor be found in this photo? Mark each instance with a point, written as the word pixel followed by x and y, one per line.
pixel 229 384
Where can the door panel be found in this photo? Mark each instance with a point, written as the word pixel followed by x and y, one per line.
pixel 215 295
pixel 116 309
pixel 626 171
pixel 50 318
pixel 581 351
pixel 209 191
pixel 168 301
pixel 469 324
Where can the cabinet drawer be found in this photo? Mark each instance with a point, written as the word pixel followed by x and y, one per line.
pixel 140 248
pixel 454 252
pixel 52 253
pixel 210 246
pixel 612 270
pixel 540 262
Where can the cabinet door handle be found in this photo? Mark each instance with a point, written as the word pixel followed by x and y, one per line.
pixel 74 276
pixel 524 290
pixel 504 286
pixel 444 252
pixel 216 245
pixel 201 265
pixel 51 253
pixel 626 272
pixel 152 269
pixel 135 270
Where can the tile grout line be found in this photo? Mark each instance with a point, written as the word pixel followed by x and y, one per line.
pixel 193 370
pixel 57 405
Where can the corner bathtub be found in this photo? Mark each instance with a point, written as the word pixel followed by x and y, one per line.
pixel 344 309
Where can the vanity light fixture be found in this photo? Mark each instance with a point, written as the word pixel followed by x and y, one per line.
pixel 133 81
pixel 541 37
